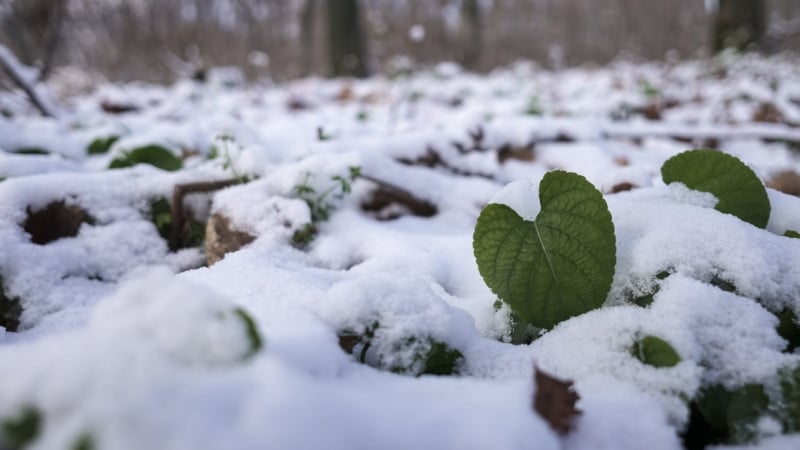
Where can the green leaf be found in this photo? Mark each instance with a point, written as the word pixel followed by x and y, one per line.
pixel 792 234
pixel 441 359
pixel 10 310
pixel 84 442
pixel 101 145
pixel 790 396
pixel 31 151
pixel 556 267
pixel 789 329
pixel 735 185
pixel 731 416
pixel 19 432
pixel 161 216
pixel 256 342
pixel 155 155
pixel 655 352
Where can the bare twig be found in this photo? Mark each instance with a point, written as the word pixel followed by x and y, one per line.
pixel 178 194
pixel 26 78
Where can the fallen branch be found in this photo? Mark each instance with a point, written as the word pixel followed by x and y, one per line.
pixel 27 79
pixel 179 192
pixel 388 193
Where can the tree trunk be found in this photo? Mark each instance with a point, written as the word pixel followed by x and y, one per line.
pixel 471 24
pixel 307 24
pixel 739 24
pixel 346 39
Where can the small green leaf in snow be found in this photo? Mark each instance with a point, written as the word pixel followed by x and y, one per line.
pixel 253 335
pixel 655 352
pixel 735 185
pixel 792 234
pixel 21 431
pixel 790 396
pixel 155 155
pixel 101 145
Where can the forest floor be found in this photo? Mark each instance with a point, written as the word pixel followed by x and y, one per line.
pixel 217 265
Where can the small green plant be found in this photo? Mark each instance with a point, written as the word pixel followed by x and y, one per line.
pixel 256 341
pixel 650 92
pixel 321 204
pixel 534 107
pixel 425 355
pixel 193 234
pixel 19 432
pixel 101 145
pixel 154 155
pixel 223 142
pixel 792 234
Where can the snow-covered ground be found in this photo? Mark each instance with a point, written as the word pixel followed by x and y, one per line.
pixel 125 344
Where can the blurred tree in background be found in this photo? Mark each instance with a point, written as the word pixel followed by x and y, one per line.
pixel 32 30
pixel 158 40
pixel 739 24
pixel 346 39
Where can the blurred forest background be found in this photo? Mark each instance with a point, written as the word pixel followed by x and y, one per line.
pixel 157 40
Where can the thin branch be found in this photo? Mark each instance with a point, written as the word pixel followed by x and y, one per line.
pixel 26 78
pixel 179 192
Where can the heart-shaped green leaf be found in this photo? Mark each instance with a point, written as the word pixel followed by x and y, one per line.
pixel 655 352
pixel 556 267
pixel 155 155
pixel 735 185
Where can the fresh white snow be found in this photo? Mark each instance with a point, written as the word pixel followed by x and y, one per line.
pixel 139 347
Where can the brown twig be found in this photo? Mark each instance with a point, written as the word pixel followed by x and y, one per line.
pixel 178 194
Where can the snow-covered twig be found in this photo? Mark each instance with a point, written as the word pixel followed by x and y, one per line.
pixel 27 79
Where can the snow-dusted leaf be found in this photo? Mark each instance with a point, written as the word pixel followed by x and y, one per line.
pixel 19 432
pixel 731 416
pixel 155 155
pixel 735 185
pixel 556 267
pixel 101 145
pixel 655 352
pixel 790 396
pixel 792 234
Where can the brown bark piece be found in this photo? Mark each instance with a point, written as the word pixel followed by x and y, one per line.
pixel 554 401
pixel 787 181
pixel 221 238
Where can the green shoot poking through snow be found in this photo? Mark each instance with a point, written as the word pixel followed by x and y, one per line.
pixel 252 331
pixel 321 204
pixel 556 267
pixel 735 185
